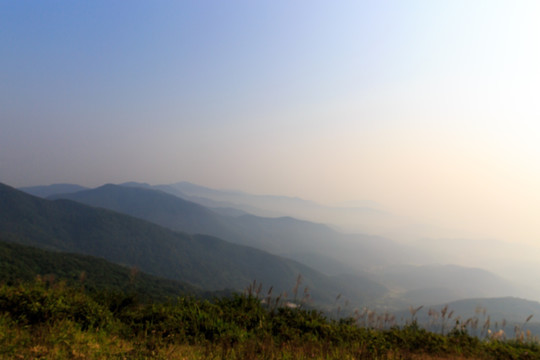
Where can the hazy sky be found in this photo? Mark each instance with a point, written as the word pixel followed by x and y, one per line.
pixel 430 108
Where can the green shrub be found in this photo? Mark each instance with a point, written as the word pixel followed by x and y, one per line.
pixel 58 321
pixel 38 302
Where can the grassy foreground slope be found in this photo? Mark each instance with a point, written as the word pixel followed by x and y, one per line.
pixel 55 321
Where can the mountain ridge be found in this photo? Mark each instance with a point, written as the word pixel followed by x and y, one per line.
pixel 279 235
pixel 48 190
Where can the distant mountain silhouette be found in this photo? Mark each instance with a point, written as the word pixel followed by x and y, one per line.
pixel 285 236
pixel 155 206
pixel 353 216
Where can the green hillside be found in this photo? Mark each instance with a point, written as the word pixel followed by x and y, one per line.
pixel 20 263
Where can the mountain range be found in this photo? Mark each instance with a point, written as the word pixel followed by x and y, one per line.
pixel 284 236
pixel 225 247
pixel 379 260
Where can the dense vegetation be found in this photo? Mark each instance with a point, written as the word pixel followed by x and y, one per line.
pixel 43 319
pixel 23 263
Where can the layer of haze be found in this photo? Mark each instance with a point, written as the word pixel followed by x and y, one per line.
pixel 429 108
